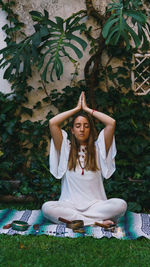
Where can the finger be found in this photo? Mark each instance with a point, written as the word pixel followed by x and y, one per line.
pixel 83 96
pixel 84 99
pixel 80 98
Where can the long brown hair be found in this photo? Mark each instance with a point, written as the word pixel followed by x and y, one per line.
pixel 91 149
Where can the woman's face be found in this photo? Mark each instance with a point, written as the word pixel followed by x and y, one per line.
pixel 81 130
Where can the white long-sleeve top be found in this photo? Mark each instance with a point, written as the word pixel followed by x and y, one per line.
pixel 82 191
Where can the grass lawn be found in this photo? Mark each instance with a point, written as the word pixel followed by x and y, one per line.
pixel 43 251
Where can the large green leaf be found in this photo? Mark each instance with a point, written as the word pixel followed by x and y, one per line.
pixel 68 55
pixel 74 21
pixel 115 29
pixel 8 72
pixel 133 35
pixel 137 15
pixel 46 14
pixel 108 26
pixel 60 22
pixel 143 37
pixel 115 38
pixel 145 44
pixel 124 10
pixel 52 71
pixel 44 73
pixel 49 43
pixel 126 38
pixel 41 60
pixel 44 31
pixel 49 39
pixel 58 66
pixel 52 24
pixel 77 39
pixel 36 16
pixel 36 40
pixel 35 53
pixel 57 35
pixel 77 28
pixel 76 50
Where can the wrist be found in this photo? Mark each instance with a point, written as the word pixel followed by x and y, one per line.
pixel 88 110
pixel 77 109
pixel 93 110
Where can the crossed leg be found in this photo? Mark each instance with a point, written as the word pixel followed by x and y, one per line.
pixel 105 212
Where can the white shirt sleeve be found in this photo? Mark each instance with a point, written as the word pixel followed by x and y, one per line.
pixel 107 163
pixel 58 162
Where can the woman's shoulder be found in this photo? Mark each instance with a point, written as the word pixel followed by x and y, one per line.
pixel 100 136
pixel 65 137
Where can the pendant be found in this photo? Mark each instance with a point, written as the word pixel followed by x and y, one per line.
pixel 82 171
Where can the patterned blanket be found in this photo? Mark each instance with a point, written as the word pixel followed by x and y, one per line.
pixel 130 226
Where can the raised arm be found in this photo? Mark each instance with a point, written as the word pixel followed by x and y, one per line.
pixel 55 124
pixel 105 119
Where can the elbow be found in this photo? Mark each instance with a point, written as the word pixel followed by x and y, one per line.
pixel 51 123
pixel 113 124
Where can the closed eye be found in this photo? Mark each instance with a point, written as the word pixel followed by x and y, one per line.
pixel 78 125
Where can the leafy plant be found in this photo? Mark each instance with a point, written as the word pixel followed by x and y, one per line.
pixel 43 184
pixel 124 17
pixel 45 47
pixel 23 145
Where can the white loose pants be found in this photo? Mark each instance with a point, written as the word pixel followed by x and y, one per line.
pixel 102 210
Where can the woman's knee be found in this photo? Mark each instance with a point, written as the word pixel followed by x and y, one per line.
pixel 119 205
pixel 44 207
pixel 48 207
pixel 122 205
pixel 49 211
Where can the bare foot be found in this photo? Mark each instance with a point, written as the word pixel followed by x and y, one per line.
pixel 108 222
pixel 105 223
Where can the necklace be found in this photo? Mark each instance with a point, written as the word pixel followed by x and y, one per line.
pixel 81 164
pixel 82 167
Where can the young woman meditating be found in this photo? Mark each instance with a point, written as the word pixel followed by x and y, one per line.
pixel 80 164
